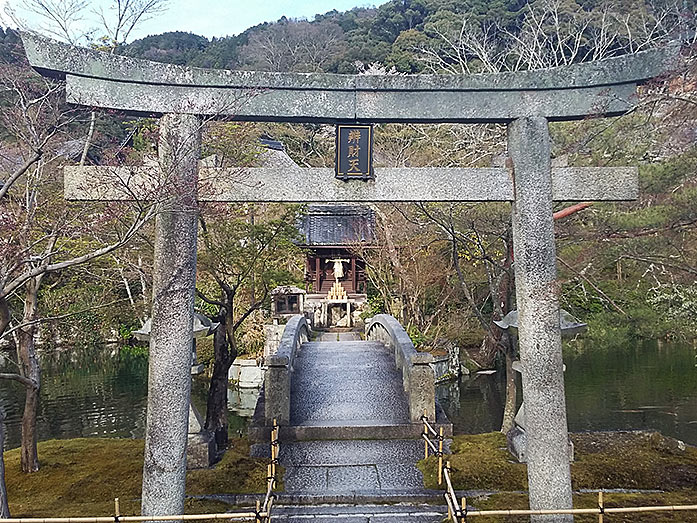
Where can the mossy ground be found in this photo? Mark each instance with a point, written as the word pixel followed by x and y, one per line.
pixel 633 460
pixel 81 477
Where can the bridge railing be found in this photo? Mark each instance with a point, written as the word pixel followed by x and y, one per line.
pixel 280 369
pixel 418 377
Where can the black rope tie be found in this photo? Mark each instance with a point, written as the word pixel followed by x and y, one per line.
pixel 601 508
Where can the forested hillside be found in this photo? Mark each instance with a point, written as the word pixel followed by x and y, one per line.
pixel 426 35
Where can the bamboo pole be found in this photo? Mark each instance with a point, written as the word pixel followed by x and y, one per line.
pixel 117 508
pixel 600 506
pixel 449 484
pixel 425 436
pixel 440 456
pixel 257 515
pixel 134 519
pixel 451 509
pixel 464 510
pixel 274 447
pixel 268 510
pixel 607 510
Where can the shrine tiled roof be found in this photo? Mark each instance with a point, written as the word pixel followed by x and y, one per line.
pixel 338 225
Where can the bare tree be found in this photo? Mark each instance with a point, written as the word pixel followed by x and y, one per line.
pixel 553 33
pixel 62 19
pixel 4 507
pixel 293 46
pixel 39 121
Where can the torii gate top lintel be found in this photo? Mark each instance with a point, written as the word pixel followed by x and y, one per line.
pixel 106 80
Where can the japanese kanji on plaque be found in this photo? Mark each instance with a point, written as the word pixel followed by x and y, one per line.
pixel 354 151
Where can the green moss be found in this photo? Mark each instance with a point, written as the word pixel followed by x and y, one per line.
pixel 478 461
pixel 605 460
pixel 81 477
pixel 632 460
pixel 236 473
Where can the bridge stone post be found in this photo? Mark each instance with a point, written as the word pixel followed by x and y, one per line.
pixel 277 390
pixel 174 280
pixel 422 388
pixel 537 295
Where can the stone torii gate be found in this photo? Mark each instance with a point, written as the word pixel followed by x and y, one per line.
pixel 526 101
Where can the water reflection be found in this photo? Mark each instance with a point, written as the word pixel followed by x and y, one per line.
pixel 85 392
pixel 642 386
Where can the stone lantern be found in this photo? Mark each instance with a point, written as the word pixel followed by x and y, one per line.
pixel 201 448
pixel 517 440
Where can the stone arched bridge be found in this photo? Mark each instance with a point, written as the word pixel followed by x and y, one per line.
pixel 349 410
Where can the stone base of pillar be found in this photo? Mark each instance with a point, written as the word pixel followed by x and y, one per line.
pixel 201 450
pixel 517 445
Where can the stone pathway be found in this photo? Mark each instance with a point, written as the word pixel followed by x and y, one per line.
pixel 352 467
pixel 343 386
pixel 346 383
pixel 348 400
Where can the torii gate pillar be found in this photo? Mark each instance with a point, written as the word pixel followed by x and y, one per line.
pixel 174 282
pixel 539 332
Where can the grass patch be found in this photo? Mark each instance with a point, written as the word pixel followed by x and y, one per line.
pixel 612 460
pixel 604 460
pixel 81 477
pixel 478 461
pixel 632 460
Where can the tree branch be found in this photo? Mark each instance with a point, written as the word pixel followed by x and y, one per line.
pixel 21 379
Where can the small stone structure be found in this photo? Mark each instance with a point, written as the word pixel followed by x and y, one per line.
pixel 286 301
pixel 417 375
pixel 201 450
pixel 516 436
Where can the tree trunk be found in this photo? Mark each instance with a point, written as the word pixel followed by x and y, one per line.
pixel 29 366
pixel 4 508
pixel 216 410
pixel 4 315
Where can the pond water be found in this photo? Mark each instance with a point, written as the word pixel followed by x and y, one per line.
pixel 88 392
pixel 649 386
pixel 102 392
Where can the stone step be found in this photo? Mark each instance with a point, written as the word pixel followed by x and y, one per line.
pixel 359 452
pixel 407 513
pixel 344 430
pixel 377 467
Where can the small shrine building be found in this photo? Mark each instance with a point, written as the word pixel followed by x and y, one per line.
pixel 334 234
